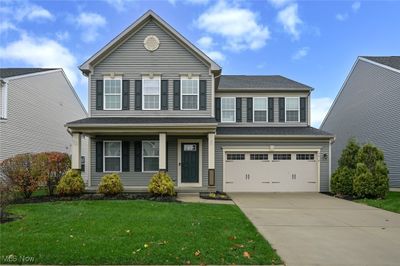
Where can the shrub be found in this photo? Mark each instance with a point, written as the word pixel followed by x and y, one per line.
pixel 22 173
pixel 110 185
pixel 381 179
pixel 369 155
pixel 342 181
pixel 6 195
pixel 363 184
pixel 71 184
pixel 349 154
pixel 161 184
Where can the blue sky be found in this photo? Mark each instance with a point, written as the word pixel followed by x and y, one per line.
pixel 313 42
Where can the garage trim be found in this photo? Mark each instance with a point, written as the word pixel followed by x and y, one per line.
pixel 271 149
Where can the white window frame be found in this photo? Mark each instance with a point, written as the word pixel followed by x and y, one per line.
pixel 143 141
pixel 198 93
pixel 159 92
pixel 234 110
pixel 4 96
pixel 298 110
pixel 104 156
pixel 266 110
pixel 111 94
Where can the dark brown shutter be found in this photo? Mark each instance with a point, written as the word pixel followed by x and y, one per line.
pixel 99 95
pixel 303 108
pixel 203 95
pixel 125 94
pixel 125 156
pixel 281 109
pixel 249 109
pixel 138 156
pixel 218 109
pixel 138 94
pixel 238 109
pixel 164 94
pixel 177 94
pixel 99 156
pixel 270 109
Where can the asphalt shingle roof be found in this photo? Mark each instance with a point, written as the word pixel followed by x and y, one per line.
pixel 12 72
pixel 141 120
pixel 286 131
pixel 391 61
pixel 270 82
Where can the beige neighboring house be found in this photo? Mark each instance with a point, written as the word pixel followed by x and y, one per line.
pixel 35 104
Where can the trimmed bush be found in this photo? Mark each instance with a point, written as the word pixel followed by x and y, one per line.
pixel 381 179
pixel 349 156
pixel 161 184
pixel 110 185
pixel 363 184
pixel 342 181
pixel 71 184
pixel 369 154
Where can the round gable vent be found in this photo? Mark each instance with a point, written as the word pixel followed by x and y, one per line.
pixel 151 43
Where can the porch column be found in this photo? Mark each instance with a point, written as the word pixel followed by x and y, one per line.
pixel 76 151
pixel 162 163
pixel 211 159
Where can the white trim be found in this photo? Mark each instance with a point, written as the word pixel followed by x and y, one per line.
pixel 329 165
pixel 266 110
pixel 159 92
pixel 298 109
pixel 4 104
pixel 112 94
pixel 234 110
pixel 158 157
pixel 200 143
pixel 198 92
pixel 378 64
pixel 89 155
pixel 104 156
pixel 212 95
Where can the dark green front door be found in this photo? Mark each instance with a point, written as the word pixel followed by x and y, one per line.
pixel 190 163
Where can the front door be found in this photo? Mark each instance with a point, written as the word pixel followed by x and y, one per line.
pixel 190 163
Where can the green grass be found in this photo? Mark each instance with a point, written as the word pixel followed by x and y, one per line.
pixel 390 203
pixel 133 232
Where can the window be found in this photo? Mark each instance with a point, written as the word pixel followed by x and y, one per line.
pixel 151 93
pixel 260 109
pixel 305 156
pixel 190 94
pixel 292 105
pixel 112 93
pixel 150 154
pixel 235 156
pixel 82 163
pixel 282 156
pixel 228 109
pixel 112 156
pixel 259 156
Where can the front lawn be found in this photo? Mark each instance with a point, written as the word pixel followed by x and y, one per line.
pixel 390 203
pixel 132 232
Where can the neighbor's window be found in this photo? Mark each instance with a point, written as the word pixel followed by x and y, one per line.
pixel 150 151
pixel 292 105
pixel 260 109
pixel 151 93
pixel 112 156
pixel 228 109
pixel 190 94
pixel 112 93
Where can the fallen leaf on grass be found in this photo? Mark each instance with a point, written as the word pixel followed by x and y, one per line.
pixel 145 245
pixel 239 245
pixel 197 253
pixel 246 254
pixel 232 238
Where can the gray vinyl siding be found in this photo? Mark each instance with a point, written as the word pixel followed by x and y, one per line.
pixel 324 163
pixel 171 59
pixel 368 109
pixel 142 179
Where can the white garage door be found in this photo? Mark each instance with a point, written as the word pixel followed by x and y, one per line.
pixel 271 172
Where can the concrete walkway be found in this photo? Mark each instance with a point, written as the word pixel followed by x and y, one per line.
pixel 316 229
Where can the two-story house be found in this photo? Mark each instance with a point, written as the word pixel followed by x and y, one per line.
pixel 158 103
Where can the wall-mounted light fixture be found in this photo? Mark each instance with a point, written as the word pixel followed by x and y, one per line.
pixel 325 156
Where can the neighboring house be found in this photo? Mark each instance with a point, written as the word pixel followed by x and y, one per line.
pixel 368 108
pixel 35 105
pixel 158 103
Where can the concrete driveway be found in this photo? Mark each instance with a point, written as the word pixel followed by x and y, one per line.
pixel 316 229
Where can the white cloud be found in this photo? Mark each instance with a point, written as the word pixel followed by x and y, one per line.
pixel 62 35
pixel 302 52
pixel 356 6
pixel 6 26
pixel 319 109
pixel 32 13
pixel 290 20
pixel 342 17
pixel 41 52
pixel 120 5
pixel 205 42
pixel 194 2
pixel 279 3
pixel 216 56
pixel 237 25
pixel 90 23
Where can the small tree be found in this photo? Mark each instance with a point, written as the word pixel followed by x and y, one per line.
pixel 381 179
pixel 363 184
pixel 6 195
pixel 342 181
pixel 369 154
pixel 349 157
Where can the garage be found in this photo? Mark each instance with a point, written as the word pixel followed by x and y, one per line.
pixel 271 171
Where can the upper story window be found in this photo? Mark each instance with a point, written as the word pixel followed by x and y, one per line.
pixel 112 93
pixel 228 109
pixel 151 93
pixel 150 155
pixel 190 93
pixel 112 156
pixel 260 109
pixel 292 107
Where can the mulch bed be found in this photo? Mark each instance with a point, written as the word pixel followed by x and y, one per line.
pixel 214 195
pixel 350 198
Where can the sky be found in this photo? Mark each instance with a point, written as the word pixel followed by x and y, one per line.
pixel 313 42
